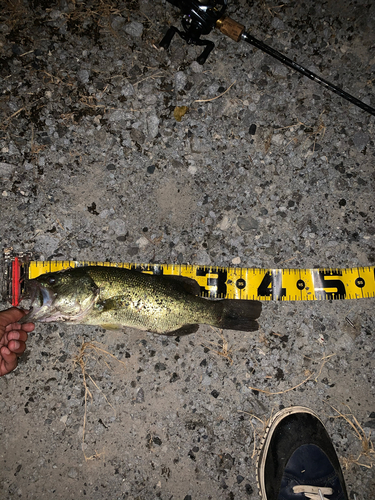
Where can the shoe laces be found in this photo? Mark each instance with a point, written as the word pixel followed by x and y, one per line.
pixel 313 492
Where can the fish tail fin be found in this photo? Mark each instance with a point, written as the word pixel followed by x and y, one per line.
pixel 239 314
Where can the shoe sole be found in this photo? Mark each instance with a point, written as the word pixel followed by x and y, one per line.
pixel 264 445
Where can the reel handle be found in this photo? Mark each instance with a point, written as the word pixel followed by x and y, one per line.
pixel 166 41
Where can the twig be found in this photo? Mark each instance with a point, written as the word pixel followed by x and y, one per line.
pixel 157 74
pixel 217 97
pixel 15 114
pixel 282 392
pixel 79 359
pixel 225 351
pixel 24 108
pixel 263 422
pixel 368 450
pixel 325 359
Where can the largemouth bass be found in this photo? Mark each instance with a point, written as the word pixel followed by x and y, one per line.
pixel 113 297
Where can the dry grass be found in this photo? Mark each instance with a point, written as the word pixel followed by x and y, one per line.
pixel 259 432
pixel 317 130
pixel 272 9
pixel 99 13
pixel 13 12
pixel 221 347
pixel 6 122
pixel 35 149
pixel 92 350
pixel 267 142
pixel 366 457
pixel 309 374
pixel 218 96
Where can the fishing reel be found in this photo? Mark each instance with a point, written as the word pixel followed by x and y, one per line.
pixel 199 17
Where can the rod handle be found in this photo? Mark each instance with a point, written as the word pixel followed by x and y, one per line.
pixel 230 28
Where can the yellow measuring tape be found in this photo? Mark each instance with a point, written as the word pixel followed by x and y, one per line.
pixel 214 281
pixel 249 283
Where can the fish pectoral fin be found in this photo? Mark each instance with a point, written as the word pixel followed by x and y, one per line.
pixel 183 284
pixel 111 304
pixel 184 330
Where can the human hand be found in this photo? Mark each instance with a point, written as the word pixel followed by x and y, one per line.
pixel 13 338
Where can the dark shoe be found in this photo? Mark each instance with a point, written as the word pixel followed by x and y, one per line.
pixel 297 459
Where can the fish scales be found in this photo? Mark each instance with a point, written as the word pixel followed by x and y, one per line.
pixel 146 302
pixel 116 298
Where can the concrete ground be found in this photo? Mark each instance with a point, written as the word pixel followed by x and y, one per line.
pixel 265 169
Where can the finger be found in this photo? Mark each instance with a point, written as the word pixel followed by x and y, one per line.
pixel 17 335
pixel 9 361
pixel 11 315
pixel 17 346
pixel 13 326
pixel 27 327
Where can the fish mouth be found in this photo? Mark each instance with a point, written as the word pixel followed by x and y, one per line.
pixel 41 307
pixel 46 307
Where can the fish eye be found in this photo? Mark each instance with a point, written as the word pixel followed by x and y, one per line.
pixel 51 280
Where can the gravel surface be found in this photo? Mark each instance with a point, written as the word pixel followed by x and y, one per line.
pixel 264 168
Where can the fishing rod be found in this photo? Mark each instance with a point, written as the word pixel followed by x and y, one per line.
pixel 200 17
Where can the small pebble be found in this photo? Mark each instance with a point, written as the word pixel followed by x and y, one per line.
pixel 73 473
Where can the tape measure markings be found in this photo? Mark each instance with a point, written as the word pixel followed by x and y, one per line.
pixel 220 282
pixel 251 283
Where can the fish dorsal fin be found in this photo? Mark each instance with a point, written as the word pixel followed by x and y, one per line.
pixel 183 284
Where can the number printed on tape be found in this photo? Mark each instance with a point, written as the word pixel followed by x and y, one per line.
pixel 250 283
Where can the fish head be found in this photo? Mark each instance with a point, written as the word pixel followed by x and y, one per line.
pixel 67 295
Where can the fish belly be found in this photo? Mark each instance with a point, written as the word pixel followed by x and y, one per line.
pixel 158 314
